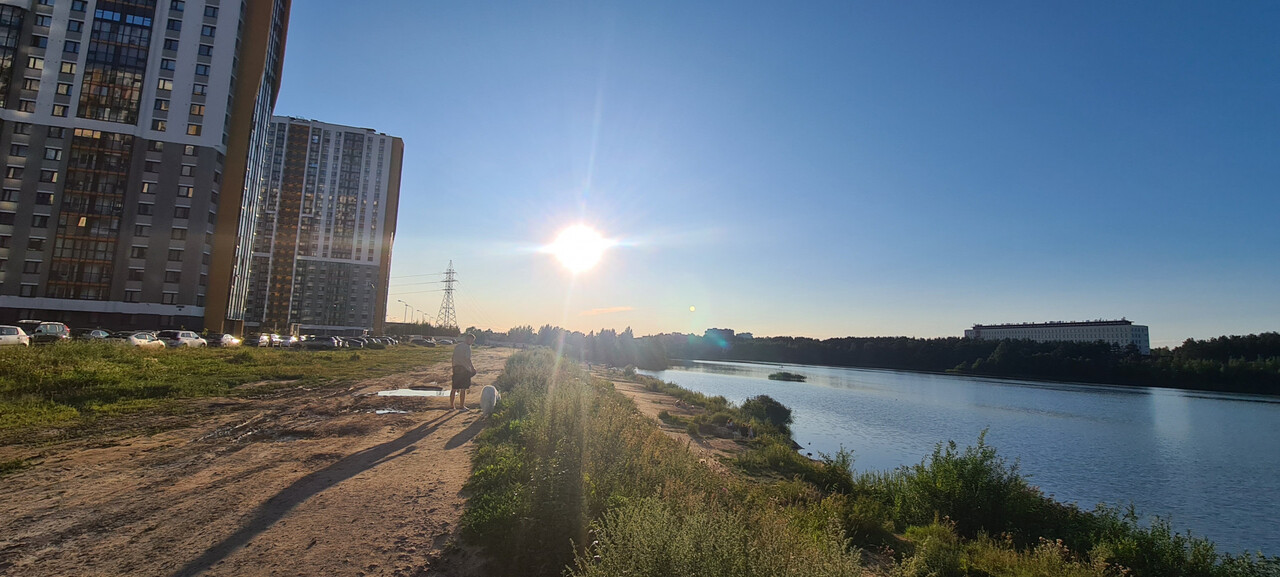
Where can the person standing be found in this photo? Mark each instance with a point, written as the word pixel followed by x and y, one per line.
pixel 463 370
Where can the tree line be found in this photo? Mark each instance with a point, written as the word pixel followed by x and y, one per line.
pixel 1248 364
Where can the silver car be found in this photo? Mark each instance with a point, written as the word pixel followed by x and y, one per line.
pixel 179 339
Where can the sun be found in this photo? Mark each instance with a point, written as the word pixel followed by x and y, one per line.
pixel 579 248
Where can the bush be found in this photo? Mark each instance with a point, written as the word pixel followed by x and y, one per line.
pixel 766 410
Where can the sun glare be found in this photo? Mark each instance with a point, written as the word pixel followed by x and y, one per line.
pixel 579 248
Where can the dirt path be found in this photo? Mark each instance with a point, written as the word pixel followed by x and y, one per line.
pixel 310 483
pixel 651 403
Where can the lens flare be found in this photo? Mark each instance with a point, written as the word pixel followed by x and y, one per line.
pixel 579 248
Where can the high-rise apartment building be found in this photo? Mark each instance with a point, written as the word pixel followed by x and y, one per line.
pixel 126 128
pixel 322 252
pixel 1120 333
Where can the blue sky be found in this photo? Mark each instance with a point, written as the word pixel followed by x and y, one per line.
pixel 821 169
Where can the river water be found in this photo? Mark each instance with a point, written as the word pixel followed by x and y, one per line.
pixel 1210 463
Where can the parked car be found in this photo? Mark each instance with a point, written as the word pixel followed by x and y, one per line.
pixel 445 341
pixel 179 339
pixel 89 334
pixel 11 336
pixel 45 332
pixel 322 343
pixel 352 342
pixel 423 342
pixel 224 340
pixel 140 339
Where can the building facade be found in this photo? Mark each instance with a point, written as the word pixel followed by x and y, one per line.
pixel 322 253
pixel 125 126
pixel 1121 333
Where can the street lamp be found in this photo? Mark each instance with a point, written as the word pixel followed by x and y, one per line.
pixel 406 310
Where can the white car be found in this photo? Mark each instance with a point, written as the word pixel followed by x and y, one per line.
pixel 179 339
pixel 139 339
pixel 224 340
pixel 11 336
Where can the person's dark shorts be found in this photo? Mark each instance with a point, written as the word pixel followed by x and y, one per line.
pixel 461 377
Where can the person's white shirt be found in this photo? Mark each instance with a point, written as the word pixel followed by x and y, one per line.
pixel 462 356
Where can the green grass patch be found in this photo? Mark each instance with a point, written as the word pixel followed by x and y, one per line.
pixel 68 384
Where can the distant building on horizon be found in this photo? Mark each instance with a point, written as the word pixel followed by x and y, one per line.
pixel 322 251
pixel 1121 333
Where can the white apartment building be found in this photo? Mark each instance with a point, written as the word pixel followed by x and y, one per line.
pixel 1121 333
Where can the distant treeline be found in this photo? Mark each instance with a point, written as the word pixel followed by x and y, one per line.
pixel 1236 363
pixel 1249 364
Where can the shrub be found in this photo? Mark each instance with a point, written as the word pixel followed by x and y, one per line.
pixel 766 410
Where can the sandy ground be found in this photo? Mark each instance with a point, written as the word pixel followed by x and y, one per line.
pixel 307 482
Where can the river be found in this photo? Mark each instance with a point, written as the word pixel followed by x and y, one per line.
pixel 1210 463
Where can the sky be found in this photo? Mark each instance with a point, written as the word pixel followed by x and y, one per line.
pixel 820 169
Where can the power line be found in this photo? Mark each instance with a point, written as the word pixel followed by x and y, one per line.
pixel 417 275
pixel 417 292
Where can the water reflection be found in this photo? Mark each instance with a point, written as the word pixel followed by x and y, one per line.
pixel 1205 460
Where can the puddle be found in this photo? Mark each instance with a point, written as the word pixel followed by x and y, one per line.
pixel 413 393
pixel 390 412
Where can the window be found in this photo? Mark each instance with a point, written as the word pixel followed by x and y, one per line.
pixel 31 267
pixel 164 84
pixel 27 290
pixel 194 129
pixel 199 88
pixel 141 230
pixel 185 190
pixel 9 195
pixel 168 64
pixel 39 221
pixel 171 44
pixel 22 128
pixel 169 298
pixel 208 31
pixel 197 110
pixel 64 88
pixel 137 252
pixel 43 21
pixel 135 273
pixel 177 5
pixel 189 150
pixel 5 240
pixel 27 105
pixel 145 208
pixel 206 50
pixel 71 46
pixel 157 124
pixel 162 104
pixel 78 5
pixel 40 41
pixel 132 296
pixel 52 153
pixel 156 146
pixel 57 132
pixel 181 212
pixel 6 218
pixel 150 166
pixel 149 188
pixel 31 84
pixel 68 68
pixel 175 255
pixel 172 276
pixel 44 198
pixel 188 170
pixel 202 70
pixel 60 110
pixel 35 244
pixel 18 150
pixel 35 63
pixel 175 24
pixel 48 176
pixel 75 26
pixel 211 11
pixel 178 234
pixel 13 172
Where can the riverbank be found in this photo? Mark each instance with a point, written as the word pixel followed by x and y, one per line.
pixel 568 462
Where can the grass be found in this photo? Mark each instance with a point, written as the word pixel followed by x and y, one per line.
pixel 69 384
pixel 570 479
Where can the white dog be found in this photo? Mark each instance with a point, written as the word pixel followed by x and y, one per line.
pixel 488 399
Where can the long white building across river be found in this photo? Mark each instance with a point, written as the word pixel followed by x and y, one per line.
pixel 1121 332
